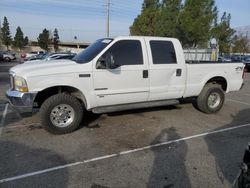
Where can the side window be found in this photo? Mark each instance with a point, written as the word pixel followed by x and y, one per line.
pixel 163 52
pixel 126 52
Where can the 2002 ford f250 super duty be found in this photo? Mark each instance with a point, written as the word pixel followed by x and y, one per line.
pixel 119 74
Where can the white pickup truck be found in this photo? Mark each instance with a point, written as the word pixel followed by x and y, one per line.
pixel 119 74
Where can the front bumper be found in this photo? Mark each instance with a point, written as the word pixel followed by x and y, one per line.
pixel 21 102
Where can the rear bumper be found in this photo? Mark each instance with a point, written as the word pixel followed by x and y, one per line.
pixel 21 102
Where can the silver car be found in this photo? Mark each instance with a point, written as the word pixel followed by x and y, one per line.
pixel 8 56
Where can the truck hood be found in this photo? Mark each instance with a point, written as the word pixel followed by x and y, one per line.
pixel 39 68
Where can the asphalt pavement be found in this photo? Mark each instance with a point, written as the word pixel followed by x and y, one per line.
pixel 174 146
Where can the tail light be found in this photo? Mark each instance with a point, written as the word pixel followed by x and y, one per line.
pixel 23 55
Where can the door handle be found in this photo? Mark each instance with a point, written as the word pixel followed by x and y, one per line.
pixel 178 72
pixel 145 73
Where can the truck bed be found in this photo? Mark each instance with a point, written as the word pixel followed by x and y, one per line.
pixel 200 72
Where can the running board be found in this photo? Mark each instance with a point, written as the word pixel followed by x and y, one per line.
pixel 122 107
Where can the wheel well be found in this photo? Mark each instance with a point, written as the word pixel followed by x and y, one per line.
pixel 219 80
pixel 48 92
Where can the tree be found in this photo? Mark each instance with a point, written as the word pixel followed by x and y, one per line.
pixel 145 23
pixel 195 22
pixel 167 25
pixel 223 33
pixel 5 33
pixel 26 41
pixel 43 39
pixel 241 44
pixel 56 40
pixel 19 39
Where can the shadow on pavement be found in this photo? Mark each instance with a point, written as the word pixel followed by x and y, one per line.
pixel 227 152
pixel 92 120
pixel 143 110
pixel 169 167
pixel 17 159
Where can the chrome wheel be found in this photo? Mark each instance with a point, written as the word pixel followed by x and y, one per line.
pixel 214 100
pixel 62 115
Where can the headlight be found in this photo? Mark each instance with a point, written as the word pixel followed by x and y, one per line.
pixel 20 84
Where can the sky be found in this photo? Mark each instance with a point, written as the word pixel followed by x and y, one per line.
pixel 86 19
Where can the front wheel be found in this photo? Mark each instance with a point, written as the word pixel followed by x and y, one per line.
pixel 211 98
pixel 61 114
pixel 7 59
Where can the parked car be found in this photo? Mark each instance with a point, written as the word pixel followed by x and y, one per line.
pixel 226 58
pixel 1 56
pixel 7 56
pixel 61 56
pixel 37 57
pixel 119 74
pixel 51 56
pixel 246 61
pixel 26 56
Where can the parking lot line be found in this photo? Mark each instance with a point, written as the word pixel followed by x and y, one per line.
pixel 246 94
pixel 3 118
pixel 18 126
pixel 232 100
pixel 119 154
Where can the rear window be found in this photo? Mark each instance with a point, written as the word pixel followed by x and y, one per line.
pixel 163 52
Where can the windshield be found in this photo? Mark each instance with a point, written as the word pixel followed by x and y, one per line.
pixel 89 53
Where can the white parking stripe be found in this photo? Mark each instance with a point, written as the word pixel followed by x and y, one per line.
pixel 40 172
pixel 232 100
pixel 119 154
pixel 18 126
pixel 236 179
pixel 3 118
pixel 245 94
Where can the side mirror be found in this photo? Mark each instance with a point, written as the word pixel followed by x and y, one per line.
pixel 110 62
pixel 101 64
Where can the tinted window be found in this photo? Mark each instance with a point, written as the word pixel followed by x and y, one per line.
pixel 89 53
pixel 163 52
pixel 127 52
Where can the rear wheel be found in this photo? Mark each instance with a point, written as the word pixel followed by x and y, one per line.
pixel 61 114
pixel 211 98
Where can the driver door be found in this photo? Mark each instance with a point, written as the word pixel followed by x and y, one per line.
pixel 128 81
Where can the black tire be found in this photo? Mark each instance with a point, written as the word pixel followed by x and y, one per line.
pixel 244 180
pixel 50 108
pixel 7 59
pixel 203 102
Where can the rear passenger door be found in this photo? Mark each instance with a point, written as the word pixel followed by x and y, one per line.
pixel 166 70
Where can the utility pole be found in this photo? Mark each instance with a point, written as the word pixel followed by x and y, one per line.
pixel 0 32
pixel 108 11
